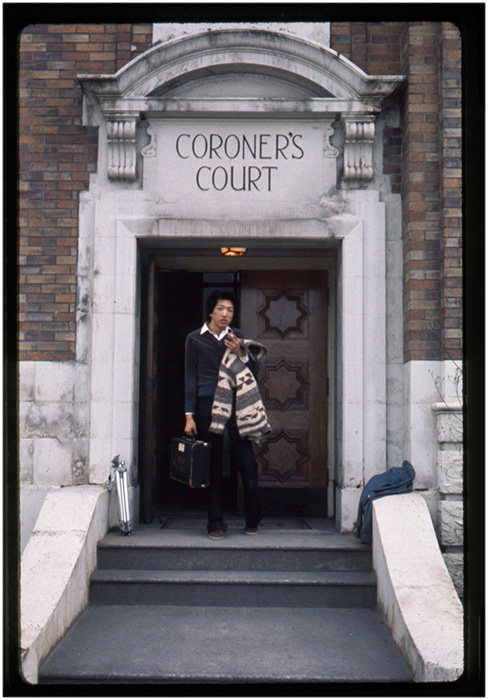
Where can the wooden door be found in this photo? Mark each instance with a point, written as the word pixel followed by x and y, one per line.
pixel 286 310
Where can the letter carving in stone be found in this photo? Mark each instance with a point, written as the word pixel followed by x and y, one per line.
pixel 121 138
pixel 358 147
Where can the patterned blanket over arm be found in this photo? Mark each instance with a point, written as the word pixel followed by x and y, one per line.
pixel 235 376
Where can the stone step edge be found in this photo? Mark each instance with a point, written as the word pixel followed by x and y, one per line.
pixel 65 678
pixel 125 545
pixel 349 578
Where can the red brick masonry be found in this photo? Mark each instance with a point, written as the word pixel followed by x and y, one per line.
pixel 422 159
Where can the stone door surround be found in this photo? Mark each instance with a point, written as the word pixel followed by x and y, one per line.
pixel 310 82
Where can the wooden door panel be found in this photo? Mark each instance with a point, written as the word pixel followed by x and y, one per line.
pixel 287 311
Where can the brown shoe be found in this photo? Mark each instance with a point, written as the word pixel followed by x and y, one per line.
pixel 216 535
pixel 251 530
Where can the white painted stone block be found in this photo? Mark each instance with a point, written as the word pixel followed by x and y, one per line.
pixel 353 382
pixel 125 294
pixel 450 471
pixel 104 256
pixel 55 381
pixel 353 289
pixel 352 257
pixel 56 566
pixel 126 257
pixel 50 419
pixel 102 382
pixel 27 380
pixel 52 462
pixel 104 294
pixel 101 455
pixel 122 421
pixel 449 426
pixel 101 419
pixel 394 252
pixel 82 384
pixel 347 500
pixel 125 385
pixel 452 523
pixel 26 460
pixel 31 500
pixel 124 342
pixel 415 590
pixel 103 339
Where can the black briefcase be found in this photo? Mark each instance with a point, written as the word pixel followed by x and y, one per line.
pixel 190 462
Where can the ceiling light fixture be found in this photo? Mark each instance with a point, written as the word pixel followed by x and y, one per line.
pixel 233 252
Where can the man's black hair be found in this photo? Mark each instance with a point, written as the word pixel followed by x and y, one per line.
pixel 219 295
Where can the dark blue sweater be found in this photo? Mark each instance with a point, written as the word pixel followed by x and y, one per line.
pixel 203 355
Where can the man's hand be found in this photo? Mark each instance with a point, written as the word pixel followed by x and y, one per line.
pixel 190 426
pixel 232 342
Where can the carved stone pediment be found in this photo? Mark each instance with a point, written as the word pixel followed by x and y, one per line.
pixel 248 73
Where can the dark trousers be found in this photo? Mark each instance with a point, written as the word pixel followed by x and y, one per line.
pixel 242 456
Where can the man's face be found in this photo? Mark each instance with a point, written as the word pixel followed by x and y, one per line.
pixel 222 315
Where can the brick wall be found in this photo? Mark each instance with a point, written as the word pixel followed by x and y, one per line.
pixel 373 46
pixel 56 156
pixel 451 193
pixel 432 192
pixel 421 192
pixel 423 158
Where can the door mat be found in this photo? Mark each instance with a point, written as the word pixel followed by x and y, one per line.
pixel 173 523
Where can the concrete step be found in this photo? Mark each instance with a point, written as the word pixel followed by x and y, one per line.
pixel 290 551
pixel 233 588
pixel 189 644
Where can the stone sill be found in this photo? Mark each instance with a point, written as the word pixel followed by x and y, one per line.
pixel 447 406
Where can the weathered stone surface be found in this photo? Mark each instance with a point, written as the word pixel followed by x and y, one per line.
pixel 53 423
pixel 452 523
pixel 450 471
pixel 56 565
pixel 450 426
pixel 31 500
pixel 26 460
pixel 415 590
pixel 455 566
pixel 315 31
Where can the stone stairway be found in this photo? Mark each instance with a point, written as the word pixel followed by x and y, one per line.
pixel 295 603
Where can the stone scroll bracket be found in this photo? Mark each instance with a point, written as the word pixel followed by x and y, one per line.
pixel 121 142
pixel 359 131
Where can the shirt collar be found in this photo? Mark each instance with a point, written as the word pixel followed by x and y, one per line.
pixel 206 329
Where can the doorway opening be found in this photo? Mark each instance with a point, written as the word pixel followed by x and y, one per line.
pixel 288 310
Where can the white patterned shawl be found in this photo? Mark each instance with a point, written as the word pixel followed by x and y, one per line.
pixel 235 375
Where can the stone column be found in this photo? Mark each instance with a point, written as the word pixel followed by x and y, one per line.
pixel 449 431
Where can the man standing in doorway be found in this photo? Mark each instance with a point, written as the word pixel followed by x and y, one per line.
pixel 204 350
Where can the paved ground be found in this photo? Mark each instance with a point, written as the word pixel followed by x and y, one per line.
pixel 143 644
